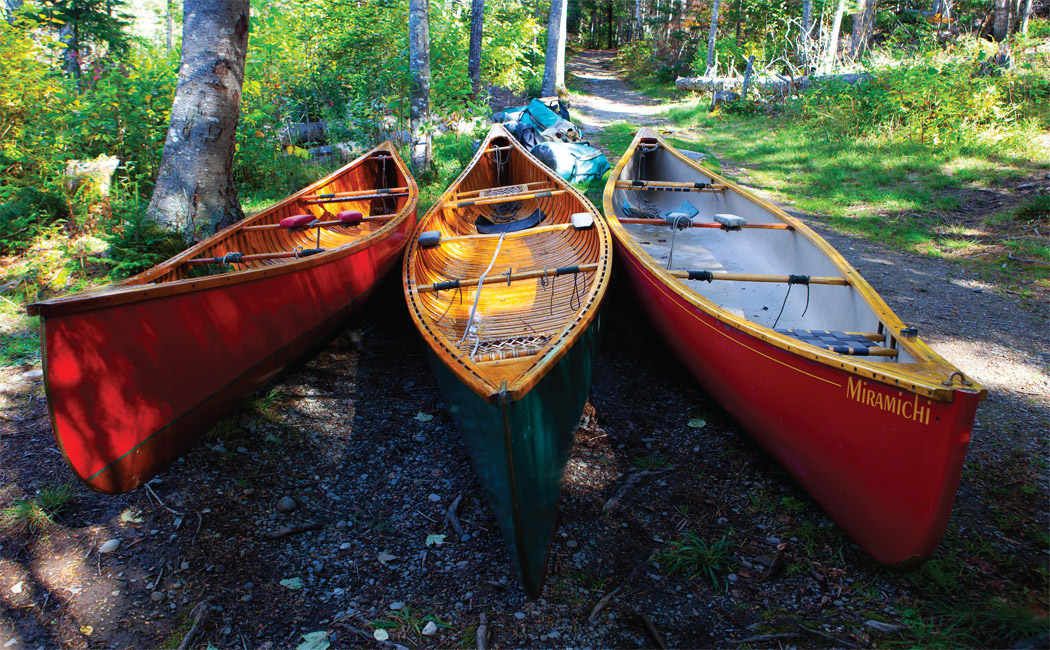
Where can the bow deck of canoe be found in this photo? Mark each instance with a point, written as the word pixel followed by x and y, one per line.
pixel 504 279
pixel 136 371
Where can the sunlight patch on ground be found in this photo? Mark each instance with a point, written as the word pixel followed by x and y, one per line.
pixel 1004 368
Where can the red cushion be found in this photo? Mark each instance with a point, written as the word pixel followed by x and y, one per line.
pixel 298 221
pixel 350 216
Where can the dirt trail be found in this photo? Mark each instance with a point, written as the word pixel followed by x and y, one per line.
pixel 607 98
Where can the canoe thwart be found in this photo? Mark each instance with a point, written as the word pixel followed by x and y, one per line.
pixel 344 221
pixel 237 258
pixel 506 198
pixel 508 276
pixel 431 238
pixel 357 197
pixel 705 224
pixel 670 186
pixel 708 276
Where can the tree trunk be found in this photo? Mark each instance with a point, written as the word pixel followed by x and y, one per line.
pixel 195 187
pixel 711 40
pixel 807 17
pixel 640 19
pixel 419 67
pixel 169 25
pixel 863 27
pixel 477 16
pixel 609 13
pixel 1001 21
pixel 554 66
pixel 12 7
pixel 833 42
pixel 1025 13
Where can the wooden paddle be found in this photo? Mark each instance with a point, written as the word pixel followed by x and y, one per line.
pixel 495 278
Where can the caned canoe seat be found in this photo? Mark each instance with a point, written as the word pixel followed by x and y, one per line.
pixel 851 343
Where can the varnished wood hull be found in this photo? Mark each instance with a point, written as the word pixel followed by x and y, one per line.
pixel 517 390
pixel 879 445
pixel 133 381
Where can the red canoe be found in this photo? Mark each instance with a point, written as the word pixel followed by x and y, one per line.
pixel 798 348
pixel 135 372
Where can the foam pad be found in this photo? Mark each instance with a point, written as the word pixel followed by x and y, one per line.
pixel 730 220
pixel 298 221
pixel 582 220
pixel 350 216
pixel 429 238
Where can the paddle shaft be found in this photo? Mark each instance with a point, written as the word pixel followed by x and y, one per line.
pixel 357 197
pixel 709 224
pixel 502 277
pixel 529 231
pixel 332 195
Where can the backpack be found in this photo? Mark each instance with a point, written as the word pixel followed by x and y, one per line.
pixel 574 161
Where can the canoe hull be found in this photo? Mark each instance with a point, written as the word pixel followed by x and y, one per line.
pixel 132 386
pixel 519 449
pixel 883 462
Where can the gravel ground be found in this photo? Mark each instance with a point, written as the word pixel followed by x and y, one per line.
pixel 360 450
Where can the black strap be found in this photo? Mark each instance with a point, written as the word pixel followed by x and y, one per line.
pixel 448 284
pixel 637 183
pixel 228 258
pixel 798 279
pixel 701 275
pixel 565 270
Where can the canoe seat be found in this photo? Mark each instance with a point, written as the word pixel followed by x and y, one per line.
pixel 350 216
pixel 839 342
pixel 506 348
pixel 298 221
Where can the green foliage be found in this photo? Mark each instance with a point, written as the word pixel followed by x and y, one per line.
pixel 695 557
pixel 136 242
pixel 36 513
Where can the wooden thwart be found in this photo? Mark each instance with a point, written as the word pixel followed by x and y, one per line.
pixel 505 199
pixel 394 191
pixel 670 185
pixel 529 231
pixel 496 278
pixel 476 193
pixel 709 224
pixel 229 259
pixel 755 277
pixel 321 224
pixel 359 197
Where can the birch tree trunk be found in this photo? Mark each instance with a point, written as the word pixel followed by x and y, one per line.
pixel 195 189
pixel 169 26
pixel 807 22
pixel 640 19
pixel 711 40
pixel 1001 20
pixel 833 42
pixel 419 67
pixel 1025 13
pixel 477 17
pixel 554 66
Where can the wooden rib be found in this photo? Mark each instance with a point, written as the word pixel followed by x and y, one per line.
pixel 320 224
pixel 709 224
pixel 505 199
pixel 755 277
pixel 494 277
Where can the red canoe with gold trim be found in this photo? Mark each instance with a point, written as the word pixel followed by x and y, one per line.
pixel 135 372
pixel 798 348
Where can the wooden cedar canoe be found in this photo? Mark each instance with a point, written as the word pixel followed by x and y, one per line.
pixel 779 328
pixel 135 372
pixel 511 321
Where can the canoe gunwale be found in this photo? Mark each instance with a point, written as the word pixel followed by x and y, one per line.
pixel 559 345
pixel 139 288
pixel 923 377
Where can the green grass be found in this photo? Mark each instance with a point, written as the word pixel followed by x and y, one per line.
pixel 652 462
pixel 696 557
pixel 37 513
pixel 407 623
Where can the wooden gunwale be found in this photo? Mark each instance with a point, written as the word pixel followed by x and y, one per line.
pixel 139 288
pixel 924 377
pixel 458 362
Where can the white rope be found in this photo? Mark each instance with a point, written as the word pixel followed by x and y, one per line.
pixel 477 295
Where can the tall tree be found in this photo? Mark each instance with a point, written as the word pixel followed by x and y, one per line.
pixel 554 66
pixel 1025 13
pixel 195 189
pixel 639 18
pixel 101 23
pixel 1001 19
pixel 807 27
pixel 477 17
pixel 169 25
pixel 863 27
pixel 833 40
pixel 711 40
pixel 419 67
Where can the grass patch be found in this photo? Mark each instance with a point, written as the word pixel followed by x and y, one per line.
pixel 695 557
pixel 36 513
pixel 408 623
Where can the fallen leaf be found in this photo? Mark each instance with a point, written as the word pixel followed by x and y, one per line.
pixel 697 423
pixel 380 634
pixel 86 630
pixel 131 516
pixel 435 540
pixel 295 584
pixel 315 641
pixel 384 558
pixel 424 417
